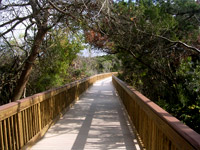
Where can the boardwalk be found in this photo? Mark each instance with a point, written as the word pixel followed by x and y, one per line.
pixel 96 122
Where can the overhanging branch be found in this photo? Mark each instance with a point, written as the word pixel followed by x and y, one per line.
pixel 171 41
pixel 61 11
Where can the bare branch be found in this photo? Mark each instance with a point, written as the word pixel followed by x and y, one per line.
pixel 13 27
pixel 101 8
pixel 15 19
pixel 174 42
pixel 85 4
pixel 61 11
pixel 26 31
pixel 197 18
pixel 58 20
pixel 180 42
pixel 13 5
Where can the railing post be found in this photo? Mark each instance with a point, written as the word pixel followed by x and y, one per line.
pixel 39 115
pixel 21 137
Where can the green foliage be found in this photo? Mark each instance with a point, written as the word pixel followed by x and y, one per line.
pixel 87 66
pixel 10 69
pixel 107 63
pixel 52 67
pixel 165 71
pixel 189 75
pixel 189 93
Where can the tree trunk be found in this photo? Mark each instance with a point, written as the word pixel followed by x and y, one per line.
pixel 21 83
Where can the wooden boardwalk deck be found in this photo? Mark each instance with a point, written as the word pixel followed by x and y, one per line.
pixel 96 122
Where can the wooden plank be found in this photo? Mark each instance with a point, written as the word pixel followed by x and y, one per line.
pixel 9 134
pixel 39 116
pixel 26 125
pixel 30 123
pixel 5 135
pixel 20 130
pixel 34 113
pixel 16 131
pixel 13 132
pixel 36 119
pixel 1 136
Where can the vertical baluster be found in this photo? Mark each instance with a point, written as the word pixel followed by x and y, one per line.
pixel 20 129
pixel 13 132
pixel 33 118
pixel 1 136
pixel 49 114
pixel 16 131
pixel 39 116
pixel 5 134
pixel 153 142
pixel 30 122
pixel 36 118
pixel 26 125
pixel 43 113
pixel 23 126
pixel 157 137
pixel 53 108
pixel 45 117
pixel 9 134
pixel 52 111
pixel 166 145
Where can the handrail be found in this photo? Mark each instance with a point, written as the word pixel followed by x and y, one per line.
pixel 25 121
pixel 157 129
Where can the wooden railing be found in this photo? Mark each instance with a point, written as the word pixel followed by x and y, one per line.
pixel 25 121
pixel 157 129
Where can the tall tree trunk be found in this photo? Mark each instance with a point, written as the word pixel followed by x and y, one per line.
pixel 21 83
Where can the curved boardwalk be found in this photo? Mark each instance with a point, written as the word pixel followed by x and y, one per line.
pixel 96 122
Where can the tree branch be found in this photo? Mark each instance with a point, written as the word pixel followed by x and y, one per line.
pixel 174 42
pixel 15 19
pixel 13 5
pixel 61 11
pixel 2 34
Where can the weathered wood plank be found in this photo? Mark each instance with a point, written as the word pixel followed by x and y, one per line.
pixel 9 134
pixel 1 136
pixel 13 133
pixel 20 130
pixel 30 122
pixel 16 128
pixel 5 135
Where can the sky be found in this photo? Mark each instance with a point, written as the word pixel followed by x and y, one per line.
pixel 19 30
pixel 91 53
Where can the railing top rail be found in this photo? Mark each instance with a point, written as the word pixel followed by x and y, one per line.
pixel 187 133
pixel 19 105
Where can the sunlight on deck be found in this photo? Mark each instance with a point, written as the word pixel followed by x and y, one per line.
pixel 95 122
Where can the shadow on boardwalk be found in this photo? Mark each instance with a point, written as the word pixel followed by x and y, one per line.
pixel 97 121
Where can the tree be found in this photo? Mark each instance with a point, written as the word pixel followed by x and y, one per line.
pixel 51 69
pixel 153 39
pixel 38 18
pixel 152 34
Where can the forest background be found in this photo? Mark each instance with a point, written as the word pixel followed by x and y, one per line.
pixel 154 44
